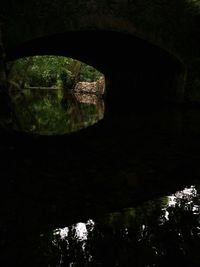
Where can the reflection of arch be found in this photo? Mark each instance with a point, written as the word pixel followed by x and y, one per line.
pixel 126 61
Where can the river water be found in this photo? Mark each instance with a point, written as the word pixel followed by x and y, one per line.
pixel 123 192
pixel 161 232
pixel 49 112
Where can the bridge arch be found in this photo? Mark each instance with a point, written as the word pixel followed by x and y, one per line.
pixel 132 66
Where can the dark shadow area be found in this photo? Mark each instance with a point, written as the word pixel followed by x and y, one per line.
pixel 52 182
pixel 141 150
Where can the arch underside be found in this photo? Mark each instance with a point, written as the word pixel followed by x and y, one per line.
pixel 131 65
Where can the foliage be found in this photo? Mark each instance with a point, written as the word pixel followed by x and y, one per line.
pixel 89 74
pixel 49 110
pixel 50 71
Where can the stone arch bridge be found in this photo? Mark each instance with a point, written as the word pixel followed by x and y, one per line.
pixel 147 49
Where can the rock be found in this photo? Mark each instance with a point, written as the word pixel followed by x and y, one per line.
pixel 97 87
pixel 87 98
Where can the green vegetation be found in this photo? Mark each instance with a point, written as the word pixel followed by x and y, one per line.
pixel 50 71
pixel 40 96
pixel 89 74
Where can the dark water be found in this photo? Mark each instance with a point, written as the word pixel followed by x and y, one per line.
pixel 124 192
pixel 160 232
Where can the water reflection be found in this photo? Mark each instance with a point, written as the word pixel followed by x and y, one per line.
pixel 80 229
pixel 49 112
pixel 161 232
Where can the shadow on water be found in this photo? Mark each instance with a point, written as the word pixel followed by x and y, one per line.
pixel 95 197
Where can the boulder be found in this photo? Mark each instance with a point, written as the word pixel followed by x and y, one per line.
pixel 97 87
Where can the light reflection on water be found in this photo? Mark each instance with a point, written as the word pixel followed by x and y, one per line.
pixel 161 232
pixel 80 230
pixel 185 195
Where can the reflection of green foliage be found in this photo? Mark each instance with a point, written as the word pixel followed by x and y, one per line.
pixel 47 114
